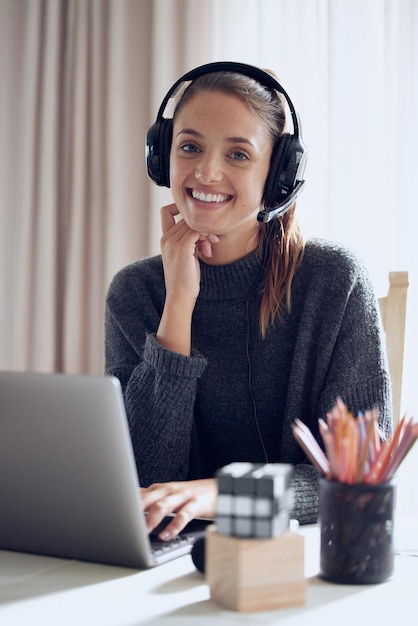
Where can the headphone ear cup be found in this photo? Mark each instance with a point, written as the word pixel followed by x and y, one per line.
pixel 272 188
pixel 287 166
pixel 158 147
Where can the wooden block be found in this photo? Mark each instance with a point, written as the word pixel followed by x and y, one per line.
pixel 249 575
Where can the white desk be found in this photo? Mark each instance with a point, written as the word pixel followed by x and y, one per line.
pixel 57 592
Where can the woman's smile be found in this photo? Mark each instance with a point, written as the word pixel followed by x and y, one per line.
pixel 209 198
pixel 208 201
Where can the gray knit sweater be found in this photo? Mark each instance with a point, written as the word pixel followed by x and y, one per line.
pixel 188 416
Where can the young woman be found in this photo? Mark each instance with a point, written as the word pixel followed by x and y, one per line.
pixel 239 326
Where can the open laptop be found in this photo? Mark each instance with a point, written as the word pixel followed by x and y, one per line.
pixel 68 481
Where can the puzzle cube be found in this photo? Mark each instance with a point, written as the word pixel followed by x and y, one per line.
pixel 254 500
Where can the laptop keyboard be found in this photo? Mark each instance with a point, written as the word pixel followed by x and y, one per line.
pixel 182 543
pixel 159 547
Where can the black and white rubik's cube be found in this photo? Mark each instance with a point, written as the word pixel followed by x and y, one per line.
pixel 254 500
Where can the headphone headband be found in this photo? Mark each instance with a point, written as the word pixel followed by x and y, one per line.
pixel 259 75
pixel 284 182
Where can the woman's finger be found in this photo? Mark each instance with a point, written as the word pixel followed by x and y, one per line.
pixel 183 516
pixel 168 214
pixel 205 248
pixel 165 507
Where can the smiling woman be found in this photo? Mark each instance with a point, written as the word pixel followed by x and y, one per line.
pixel 238 327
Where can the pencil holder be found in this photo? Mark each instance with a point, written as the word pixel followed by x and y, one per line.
pixel 357 528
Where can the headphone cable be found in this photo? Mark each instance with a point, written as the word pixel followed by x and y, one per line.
pixel 247 342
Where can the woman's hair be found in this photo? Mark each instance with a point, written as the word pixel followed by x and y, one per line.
pixel 281 245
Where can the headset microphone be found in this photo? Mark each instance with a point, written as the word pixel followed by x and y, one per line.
pixel 288 161
pixel 266 215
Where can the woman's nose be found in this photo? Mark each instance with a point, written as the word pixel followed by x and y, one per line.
pixel 209 169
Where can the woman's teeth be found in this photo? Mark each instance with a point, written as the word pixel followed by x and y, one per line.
pixel 209 197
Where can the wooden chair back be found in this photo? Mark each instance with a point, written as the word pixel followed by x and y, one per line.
pixel 393 311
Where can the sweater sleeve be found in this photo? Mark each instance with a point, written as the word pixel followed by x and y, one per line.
pixel 159 389
pixel 306 489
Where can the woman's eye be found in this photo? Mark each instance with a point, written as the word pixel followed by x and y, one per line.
pixel 239 156
pixel 189 147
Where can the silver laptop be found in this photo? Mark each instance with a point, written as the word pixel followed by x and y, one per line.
pixel 68 481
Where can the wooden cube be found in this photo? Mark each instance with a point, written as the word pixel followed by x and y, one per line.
pixel 249 575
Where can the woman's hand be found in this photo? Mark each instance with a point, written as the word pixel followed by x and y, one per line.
pixel 179 246
pixel 178 251
pixel 187 499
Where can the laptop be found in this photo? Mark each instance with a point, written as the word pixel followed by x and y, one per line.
pixel 68 481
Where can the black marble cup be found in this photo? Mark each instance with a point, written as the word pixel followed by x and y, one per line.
pixel 357 526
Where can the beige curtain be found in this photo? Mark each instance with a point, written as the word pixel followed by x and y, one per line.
pixel 74 110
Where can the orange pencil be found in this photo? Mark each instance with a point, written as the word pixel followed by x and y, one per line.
pixel 383 459
pixel 409 436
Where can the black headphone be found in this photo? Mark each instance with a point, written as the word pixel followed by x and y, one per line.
pixel 288 161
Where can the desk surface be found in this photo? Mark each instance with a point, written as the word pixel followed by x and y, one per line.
pixel 60 592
